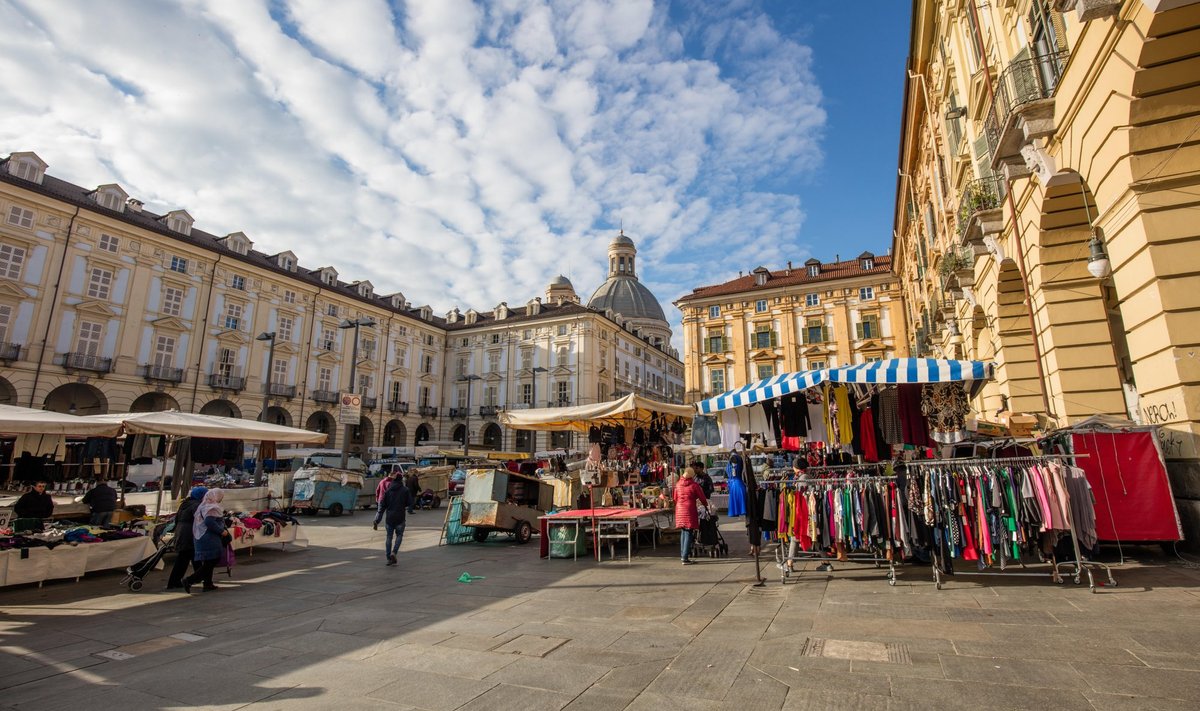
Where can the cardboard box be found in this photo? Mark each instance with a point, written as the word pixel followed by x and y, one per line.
pixel 1018 424
pixel 990 429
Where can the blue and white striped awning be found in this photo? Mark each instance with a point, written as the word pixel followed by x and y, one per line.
pixel 911 370
pixel 768 389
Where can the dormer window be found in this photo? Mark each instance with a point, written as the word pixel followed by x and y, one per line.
pixel 472 316
pixel 761 275
pixel 329 276
pixel 178 221
pixel 27 166
pixel 866 261
pixel 814 270
pixel 365 289
pixel 426 313
pixel 237 242
pixel 501 312
pixel 111 196
pixel 397 301
pixel 286 261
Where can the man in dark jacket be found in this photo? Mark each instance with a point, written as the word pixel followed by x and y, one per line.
pixel 185 544
pixel 395 506
pixel 35 503
pixel 414 490
pixel 702 478
pixel 103 501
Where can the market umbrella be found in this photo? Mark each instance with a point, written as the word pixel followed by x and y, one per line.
pixel 23 420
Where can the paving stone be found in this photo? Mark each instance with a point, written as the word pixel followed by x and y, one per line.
pixel 519 697
pixel 531 645
pixel 824 679
pixel 549 674
pixel 650 701
pixel 435 692
pixel 1000 670
pixel 832 700
pixel 1142 681
pixel 932 693
pixel 756 690
pixel 601 699
pixel 1163 660
pixel 1050 648
pixel 1117 702
pixel 463 662
pixel 1001 616
pixel 201 689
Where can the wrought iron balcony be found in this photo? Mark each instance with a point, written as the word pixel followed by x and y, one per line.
pixel 370 402
pixel 226 381
pixel 1023 109
pixel 328 396
pixel 162 373
pixel 488 410
pixel 84 361
pixel 458 412
pixel 281 390
pixel 562 402
pixel 10 351
pixel 979 211
pixel 427 411
pixel 398 407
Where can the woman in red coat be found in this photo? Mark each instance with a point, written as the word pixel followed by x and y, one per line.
pixel 686 493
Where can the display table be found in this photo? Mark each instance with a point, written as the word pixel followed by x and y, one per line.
pixel 613 524
pixel 70 561
pixel 290 533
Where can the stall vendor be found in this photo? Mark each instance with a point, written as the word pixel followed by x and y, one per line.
pixel 35 503
pixel 102 500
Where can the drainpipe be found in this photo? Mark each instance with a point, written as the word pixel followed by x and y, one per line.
pixel 312 331
pixel 203 330
pixel 37 372
pixel 1012 208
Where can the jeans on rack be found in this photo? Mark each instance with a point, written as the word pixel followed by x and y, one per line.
pixel 686 536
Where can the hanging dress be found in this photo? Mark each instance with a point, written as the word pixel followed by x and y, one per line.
pixel 737 488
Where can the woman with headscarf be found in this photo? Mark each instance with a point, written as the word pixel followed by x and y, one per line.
pixel 208 530
pixel 185 543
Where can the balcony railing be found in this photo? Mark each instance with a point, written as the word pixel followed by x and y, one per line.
pixel 281 390
pixel 162 373
pixel 1022 83
pixel 458 412
pixel 10 351
pixel 328 396
pixel 977 197
pixel 427 411
pixel 488 410
pixel 226 381
pixel 562 402
pixel 83 361
pixel 398 407
pixel 370 402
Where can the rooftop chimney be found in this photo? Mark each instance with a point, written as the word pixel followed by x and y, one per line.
pixel 134 204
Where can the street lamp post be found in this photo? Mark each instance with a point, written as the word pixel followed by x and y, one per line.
pixel 268 336
pixel 533 404
pixel 348 428
pixel 468 379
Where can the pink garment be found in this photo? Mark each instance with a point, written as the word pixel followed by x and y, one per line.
pixel 1039 491
pixel 1060 491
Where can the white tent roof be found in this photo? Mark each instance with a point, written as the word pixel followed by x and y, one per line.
pixel 22 420
pixel 183 424
pixel 631 410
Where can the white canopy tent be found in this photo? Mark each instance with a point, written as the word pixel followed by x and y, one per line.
pixel 184 424
pixel 631 410
pixel 23 420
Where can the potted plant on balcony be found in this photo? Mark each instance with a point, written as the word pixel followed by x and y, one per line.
pixel 979 195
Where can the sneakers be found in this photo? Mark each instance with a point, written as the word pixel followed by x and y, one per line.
pixel 391 560
pixel 688 562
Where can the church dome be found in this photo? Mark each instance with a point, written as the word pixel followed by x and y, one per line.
pixel 627 296
pixel 560 280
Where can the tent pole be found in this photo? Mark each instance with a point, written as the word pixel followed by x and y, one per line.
pixel 162 477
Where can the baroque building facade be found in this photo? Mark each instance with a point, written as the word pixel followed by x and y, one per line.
pixel 107 307
pixel 799 318
pixel 1045 208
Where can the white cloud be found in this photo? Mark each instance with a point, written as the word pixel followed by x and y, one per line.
pixel 460 152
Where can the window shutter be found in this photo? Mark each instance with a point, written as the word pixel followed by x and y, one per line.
pixel 858 330
pixel 825 334
pixel 725 344
pixel 774 339
pixel 1060 30
pixel 804 335
pixel 983 157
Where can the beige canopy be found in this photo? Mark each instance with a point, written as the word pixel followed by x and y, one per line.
pixel 630 411
pixel 22 420
pixel 183 424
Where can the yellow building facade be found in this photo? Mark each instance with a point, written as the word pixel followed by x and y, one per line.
pixel 802 317
pixel 1046 214
pixel 107 307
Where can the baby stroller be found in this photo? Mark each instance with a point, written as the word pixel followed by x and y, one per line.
pixel 710 542
pixel 165 540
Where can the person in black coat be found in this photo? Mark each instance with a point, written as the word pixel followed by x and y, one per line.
pixel 185 544
pixel 103 501
pixel 702 478
pixel 396 503
pixel 414 490
pixel 35 503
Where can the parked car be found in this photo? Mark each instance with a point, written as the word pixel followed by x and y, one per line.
pixel 457 479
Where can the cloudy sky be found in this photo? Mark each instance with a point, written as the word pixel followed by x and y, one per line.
pixel 460 152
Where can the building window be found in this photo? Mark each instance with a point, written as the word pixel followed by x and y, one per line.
pixel 714 311
pixel 5 319
pixel 172 301
pixel 401 355
pixel 238 282
pixel 562 329
pixel 814 270
pixel 493 362
pixel 88 340
pixel 25 170
pixel 764 337
pixel 366 349
pixel 328 338
pixel 325 379
pixel 716 380
pixel 108 243
pixel 462 398
pixel 401 330
pixel 866 293
pixel 289 297
pixel 279 372
pixel 766 370
pixel 812 299
pixel 12 259
pixel 20 217
pixel 164 352
pixel 563 392
pixel 815 331
pixel 489 396
pixel 526 359
pixel 495 338
pixel 233 317
pixel 873 359
pixel 816 364
pixel 460 369
pixel 760 305
pixel 366 384
pixel 716 341
pixel 424 396
pixel 562 356
pixel 286 263
pixel 427 363
pixel 331 310
pixel 526 334
pixel 285 328
pixel 397 391
pixel 868 327
pixel 100 283
pixel 225 362
pixel 527 394
pixel 179 264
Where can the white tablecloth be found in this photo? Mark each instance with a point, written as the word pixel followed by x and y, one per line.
pixel 290 533
pixel 71 561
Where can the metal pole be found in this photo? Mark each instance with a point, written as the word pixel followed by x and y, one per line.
pixel 346 429
pixel 467 420
pixel 532 405
pixel 262 416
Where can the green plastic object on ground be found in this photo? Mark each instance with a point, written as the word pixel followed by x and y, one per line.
pixel 467 577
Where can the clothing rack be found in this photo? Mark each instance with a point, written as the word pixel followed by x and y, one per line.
pixel 1080 565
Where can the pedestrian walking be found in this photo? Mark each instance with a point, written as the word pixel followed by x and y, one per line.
pixel 102 500
pixel 380 490
pixel 185 542
pixel 414 490
pixel 395 508
pixel 687 519
pixel 210 535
